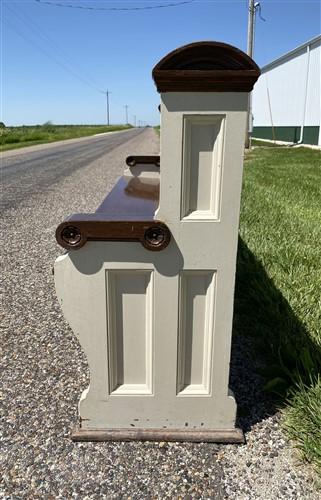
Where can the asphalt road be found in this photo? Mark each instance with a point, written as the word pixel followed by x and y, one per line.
pixel 44 370
pixel 27 173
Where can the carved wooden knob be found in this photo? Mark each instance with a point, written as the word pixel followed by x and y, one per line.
pixel 70 237
pixel 156 237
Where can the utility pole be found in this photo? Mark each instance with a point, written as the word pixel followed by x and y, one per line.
pixel 250 27
pixel 107 103
pixel 126 112
pixel 134 120
pixel 253 6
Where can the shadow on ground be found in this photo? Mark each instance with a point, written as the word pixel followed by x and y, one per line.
pixel 271 347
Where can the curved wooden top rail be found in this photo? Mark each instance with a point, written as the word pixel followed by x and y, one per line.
pixel 206 67
pixel 126 214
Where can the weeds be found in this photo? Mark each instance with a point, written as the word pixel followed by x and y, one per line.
pixel 302 420
pixel 278 287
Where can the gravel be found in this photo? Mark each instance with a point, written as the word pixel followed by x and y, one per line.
pixel 44 372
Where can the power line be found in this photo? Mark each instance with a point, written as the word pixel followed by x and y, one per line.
pixel 39 47
pixel 62 65
pixel 60 53
pixel 87 7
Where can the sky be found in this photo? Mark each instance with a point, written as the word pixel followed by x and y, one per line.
pixel 57 60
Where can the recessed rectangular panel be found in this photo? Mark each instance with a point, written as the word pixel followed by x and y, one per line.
pixel 195 332
pixel 129 314
pixel 202 165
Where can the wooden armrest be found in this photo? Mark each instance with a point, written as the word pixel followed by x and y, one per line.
pixel 126 214
pixel 136 160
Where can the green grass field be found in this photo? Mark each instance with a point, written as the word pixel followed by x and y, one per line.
pixel 18 137
pixel 278 285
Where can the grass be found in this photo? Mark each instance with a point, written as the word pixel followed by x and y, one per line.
pixel 266 144
pixel 303 421
pixel 17 137
pixel 278 284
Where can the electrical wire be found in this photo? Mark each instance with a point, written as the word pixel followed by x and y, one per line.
pixel 39 47
pixel 37 31
pixel 86 7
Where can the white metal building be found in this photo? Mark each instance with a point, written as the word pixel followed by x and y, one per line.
pixel 287 98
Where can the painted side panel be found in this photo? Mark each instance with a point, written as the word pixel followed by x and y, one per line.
pixel 197 291
pixel 202 165
pixel 130 329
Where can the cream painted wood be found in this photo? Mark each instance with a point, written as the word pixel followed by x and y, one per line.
pixel 196 315
pixel 206 243
pixel 175 106
pixel 202 165
pixel 156 326
pixel 82 290
pixel 130 328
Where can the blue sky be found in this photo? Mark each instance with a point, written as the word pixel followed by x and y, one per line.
pixel 55 60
